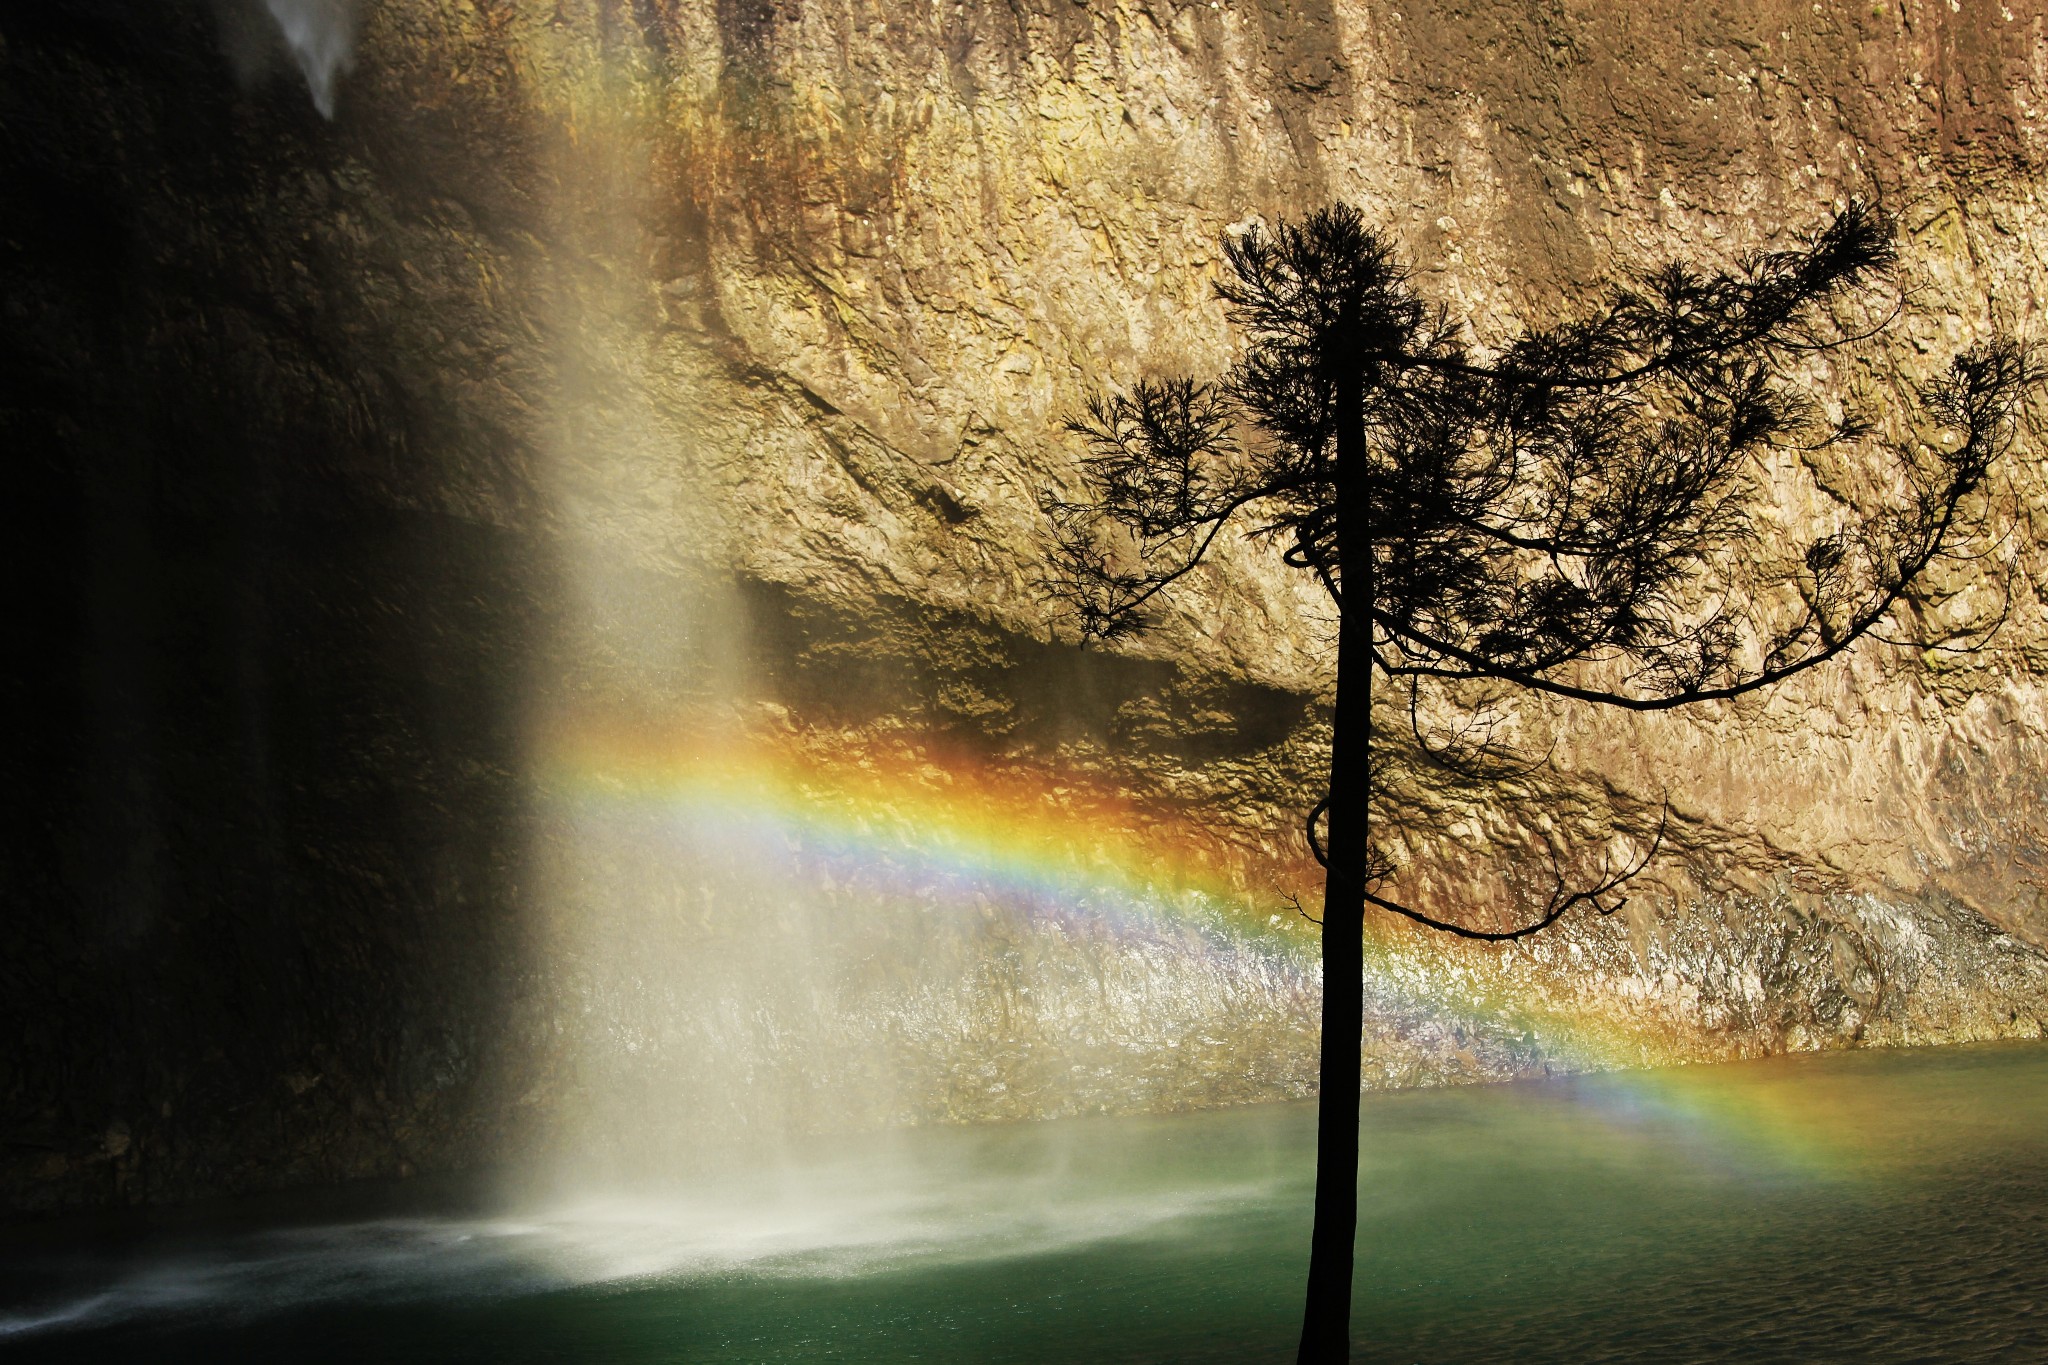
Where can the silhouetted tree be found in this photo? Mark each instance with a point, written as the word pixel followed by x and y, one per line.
pixel 1580 511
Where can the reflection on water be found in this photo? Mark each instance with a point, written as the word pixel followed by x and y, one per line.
pixel 1867 1206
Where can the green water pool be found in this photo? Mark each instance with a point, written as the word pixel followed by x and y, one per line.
pixel 1848 1206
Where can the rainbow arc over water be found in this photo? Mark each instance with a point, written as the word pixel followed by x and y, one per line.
pixel 909 817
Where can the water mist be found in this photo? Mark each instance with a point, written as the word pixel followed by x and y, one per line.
pixel 320 34
pixel 754 929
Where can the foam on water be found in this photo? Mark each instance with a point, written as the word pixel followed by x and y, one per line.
pixel 874 1210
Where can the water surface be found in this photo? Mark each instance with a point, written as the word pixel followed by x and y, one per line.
pixel 1870 1206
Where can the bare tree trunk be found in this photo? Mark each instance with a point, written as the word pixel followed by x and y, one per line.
pixel 1326 1318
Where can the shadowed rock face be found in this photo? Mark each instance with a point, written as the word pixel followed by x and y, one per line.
pixel 709 358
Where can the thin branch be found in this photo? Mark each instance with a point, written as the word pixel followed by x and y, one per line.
pixel 1554 910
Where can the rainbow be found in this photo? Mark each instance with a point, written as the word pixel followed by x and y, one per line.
pixel 910 817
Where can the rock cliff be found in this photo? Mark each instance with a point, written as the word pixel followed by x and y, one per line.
pixel 616 377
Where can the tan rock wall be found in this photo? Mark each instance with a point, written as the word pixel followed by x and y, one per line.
pixel 834 274
pixel 906 239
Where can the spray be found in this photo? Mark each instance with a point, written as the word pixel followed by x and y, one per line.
pixel 321 37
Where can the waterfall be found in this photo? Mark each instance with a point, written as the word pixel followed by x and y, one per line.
pixel 321 36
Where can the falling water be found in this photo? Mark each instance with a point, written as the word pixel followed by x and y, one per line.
pixel 751 949
pixel 321 36
pixel 734 943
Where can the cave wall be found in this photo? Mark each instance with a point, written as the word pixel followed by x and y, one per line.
pixel 348 449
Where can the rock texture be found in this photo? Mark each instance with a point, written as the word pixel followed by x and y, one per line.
pixel 701 361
